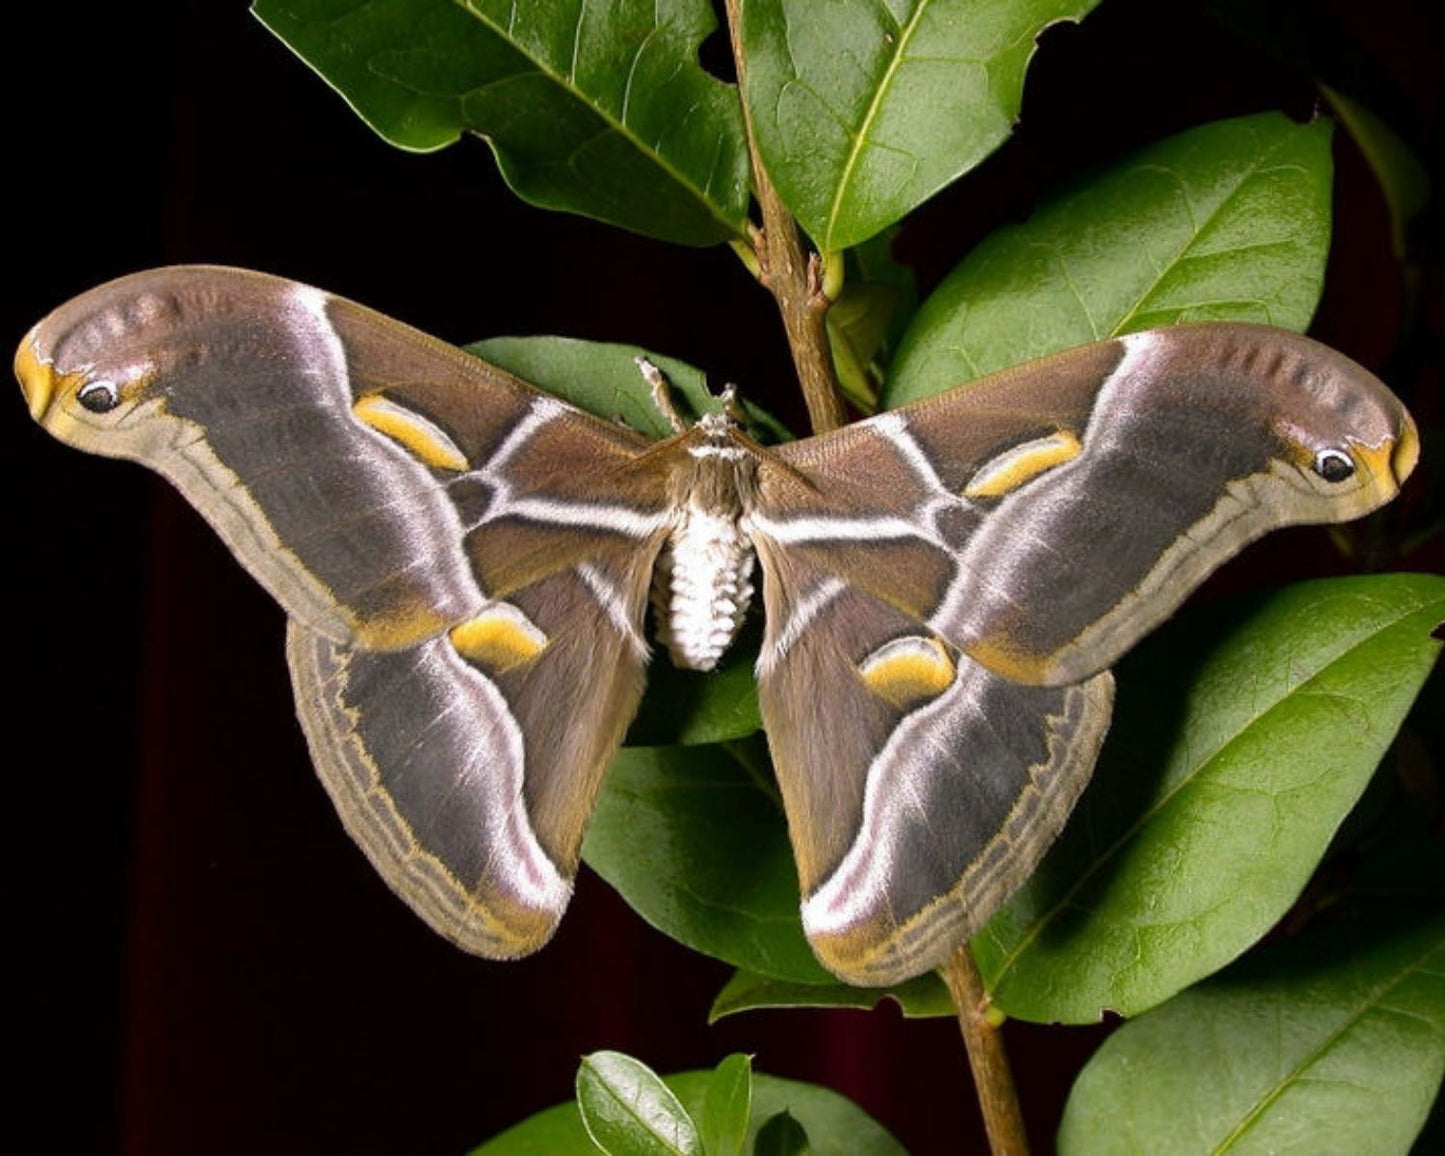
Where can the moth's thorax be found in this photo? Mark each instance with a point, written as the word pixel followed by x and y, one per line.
pixel 702 585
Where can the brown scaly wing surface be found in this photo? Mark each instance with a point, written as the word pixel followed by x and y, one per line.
pixel 947 582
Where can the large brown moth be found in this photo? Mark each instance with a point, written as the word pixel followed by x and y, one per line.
pixel 467 564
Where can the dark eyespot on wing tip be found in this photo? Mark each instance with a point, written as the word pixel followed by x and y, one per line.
pixel 98 396
pixel 1334 465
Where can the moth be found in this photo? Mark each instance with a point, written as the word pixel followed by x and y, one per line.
pixel 467 565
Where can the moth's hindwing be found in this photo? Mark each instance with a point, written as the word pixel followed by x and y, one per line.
pixel 467 767
pixel 931 792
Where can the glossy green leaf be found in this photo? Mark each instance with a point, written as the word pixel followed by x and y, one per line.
pixel 1226 222
pixel 782 1136
pixel 1334 1042
pixel 597 109
pixel 835 1125
pixel 603 378
pixel 863 110
pixel 694 839
pixel 1242 737
pixel 924 996
pixel 691 708
pixel 726 1108
pixel 629 1111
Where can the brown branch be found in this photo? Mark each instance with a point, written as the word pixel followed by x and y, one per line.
pixel 794 279
pixel 983 1040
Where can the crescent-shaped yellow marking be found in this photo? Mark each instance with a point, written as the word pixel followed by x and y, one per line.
pixel 908 670
pixel 1012 468
pixel 419 436
pixel 498 638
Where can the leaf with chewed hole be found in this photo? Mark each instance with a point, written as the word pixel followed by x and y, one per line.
pixel 598 109
pixel 863 110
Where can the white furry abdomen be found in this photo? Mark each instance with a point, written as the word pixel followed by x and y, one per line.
pixel 701 588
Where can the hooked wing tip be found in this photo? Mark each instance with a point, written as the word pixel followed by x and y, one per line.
pixel 36 375
pixel 1407 451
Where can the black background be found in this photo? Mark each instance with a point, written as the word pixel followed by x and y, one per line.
pixel 205 961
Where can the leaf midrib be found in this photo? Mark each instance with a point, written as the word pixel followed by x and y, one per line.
pixel 855 152
pixel 604 1084
pixel 1369 1003
pixel 1164 800
pixel 620 127
pixel 1200 229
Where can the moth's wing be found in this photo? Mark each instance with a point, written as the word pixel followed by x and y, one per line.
pixel 465 562
pixel 991 551
pixel 1045 518
pixel 467 767
pixel 332 448
pixel 921 788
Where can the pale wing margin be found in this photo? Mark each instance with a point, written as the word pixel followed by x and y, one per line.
pixel 931 796
pixel 425 764
pixel 960 806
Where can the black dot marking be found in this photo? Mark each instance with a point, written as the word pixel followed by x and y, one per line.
pixel 98 396
pixel 1334 465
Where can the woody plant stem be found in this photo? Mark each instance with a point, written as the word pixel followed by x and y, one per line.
pixel 794 278
pixel 796 283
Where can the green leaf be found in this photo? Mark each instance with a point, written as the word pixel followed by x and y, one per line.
pixel 782 1136
pixel 1403 178
pixel 836 1126
pixel 1226 222
pixel 1241 740
pixel 597 109
pixel 856 324
pixel 868 318
pixel 689 708
pixel 726 1106
pixel 1334 1042
pixel 924 996
pixel 863 110
pixel 629 1111
pixel 873 263
pixel 694 839
pixel 603 378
